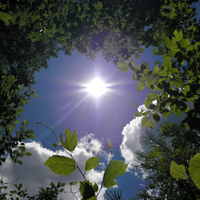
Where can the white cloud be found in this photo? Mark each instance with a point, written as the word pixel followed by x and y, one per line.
pixel 33 174
pixel 131 139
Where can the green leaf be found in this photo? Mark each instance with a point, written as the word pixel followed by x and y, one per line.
pixel 171 44
pixel 60 165
pixel 178 35
pixel 134 104
pixel 98 5
pixel 26 123
pixel 162 73
pixel 154 51
pixel 151 125
pixel 167 63
pixel 28 154
pixel 114 169
pixel 5 17
pixel 155 117
pixel 185 43
pixel 145 121
pixel 4 70
pixel 135 77
pixel 150 84
pixel 36 95
pixel 87 190
pixel 140 86
pixel 156 69
pixel 179 113
pixel 194 169
pixel 73 183
pixel 95 187
pixel 177 171
pixel 151 96
pixel 138 114
pixel 70 140
pixel 19 110
pixel 22 149
pixel 146 113
pixel 55 144
pixel 91 163
pixel 147 103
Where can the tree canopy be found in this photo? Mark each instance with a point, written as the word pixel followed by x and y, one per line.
pixel 32 31
pixel 171 143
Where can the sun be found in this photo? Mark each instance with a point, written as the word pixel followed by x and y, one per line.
pixel 96 87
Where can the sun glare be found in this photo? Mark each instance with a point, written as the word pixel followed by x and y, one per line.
pixel 96 87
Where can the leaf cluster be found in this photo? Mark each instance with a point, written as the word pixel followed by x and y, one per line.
pixel 11 102
pixel 66 165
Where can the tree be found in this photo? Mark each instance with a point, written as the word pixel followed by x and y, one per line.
pixel 174 82
pixel 38 30
pixel 171 143
pixel 11 102
pixel 48 193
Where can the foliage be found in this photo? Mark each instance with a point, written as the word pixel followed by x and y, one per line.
pixel 48 193
pixel 66 165
pixel 171 143
pixel 178 171
pixel 3 186
pixel 11 102
pixel 33 31
pixel 174 82
pixel 114 195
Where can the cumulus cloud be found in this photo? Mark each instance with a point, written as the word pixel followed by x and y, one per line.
pixel 131 139
pixel 33 174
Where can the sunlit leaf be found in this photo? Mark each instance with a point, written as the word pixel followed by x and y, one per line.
pixel 150 84
pixel 151 125
pixel 167 63
pixel 138 114
pixel 177 171
pixel 36 95
pixel 140 86
pixel 91 163
pixel 194 169
pixel 147 103
pixel 60 165
pixel 156 69
pixel 114 169
pixel 73 183
pixel 162 73
pixel 19 110
pixel 178 35
pixel 151 96
pixel 185 43
pixel 145 121
pixel 5 17
pixel 70 140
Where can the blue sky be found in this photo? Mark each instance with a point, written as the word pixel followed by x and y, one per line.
pixel 64 104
